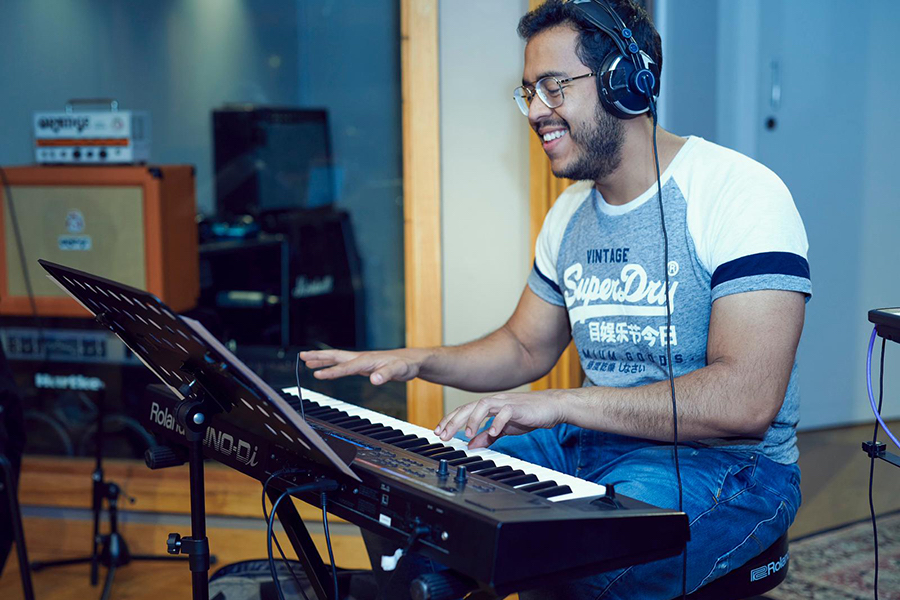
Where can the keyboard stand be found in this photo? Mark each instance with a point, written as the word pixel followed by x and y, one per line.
pixel 303 545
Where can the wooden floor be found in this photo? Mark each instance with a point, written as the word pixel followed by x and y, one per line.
pixel 144 580
pixel 835 487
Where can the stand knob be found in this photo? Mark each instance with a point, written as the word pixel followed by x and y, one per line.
pixel 444 585
pixel 160 457
pixel 173 544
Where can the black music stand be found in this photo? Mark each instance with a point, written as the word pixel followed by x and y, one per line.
pixel 212 385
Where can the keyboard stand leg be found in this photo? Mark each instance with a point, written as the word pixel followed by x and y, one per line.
pixel 315 569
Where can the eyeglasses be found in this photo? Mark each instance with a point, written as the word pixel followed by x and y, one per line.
pixel 548 89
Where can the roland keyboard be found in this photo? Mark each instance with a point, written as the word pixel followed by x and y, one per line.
pixel 505 522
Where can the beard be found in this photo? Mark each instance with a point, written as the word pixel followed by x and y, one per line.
pixel 600 145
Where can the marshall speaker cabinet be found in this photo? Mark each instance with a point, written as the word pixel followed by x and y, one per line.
pixel 134 224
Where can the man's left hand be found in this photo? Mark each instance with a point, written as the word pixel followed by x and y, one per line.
pixel 514 414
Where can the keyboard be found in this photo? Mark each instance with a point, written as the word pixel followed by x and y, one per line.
pixel 547 483
pixel 507 523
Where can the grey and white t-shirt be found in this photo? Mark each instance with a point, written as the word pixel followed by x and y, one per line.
pixel 732 227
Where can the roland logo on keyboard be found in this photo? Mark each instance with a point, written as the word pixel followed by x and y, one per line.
pixel 221 442
pixel 766 570
pixel 224 443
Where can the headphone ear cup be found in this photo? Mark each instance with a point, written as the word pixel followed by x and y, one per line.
pixel 615 86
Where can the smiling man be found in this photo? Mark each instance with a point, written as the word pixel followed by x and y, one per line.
pixel 716 294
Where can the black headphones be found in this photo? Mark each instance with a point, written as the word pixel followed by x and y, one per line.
pixel 628 79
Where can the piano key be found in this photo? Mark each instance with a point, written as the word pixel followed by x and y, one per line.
pixel 453 455
pixel 415 443
pixel 554 491
pixel 424 449
pixel 480 466
pixel 380 435
pixel 504 477
pixel 468 460
pixel 495 471
pixel 541 485
pixel 520 480
pixel 399 437
pixel 580 488
pixel 437 453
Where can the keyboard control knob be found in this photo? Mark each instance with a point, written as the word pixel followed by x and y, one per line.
pixel 461 474
pixel 443 468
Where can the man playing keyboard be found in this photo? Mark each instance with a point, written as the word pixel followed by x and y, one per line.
pixel 731 271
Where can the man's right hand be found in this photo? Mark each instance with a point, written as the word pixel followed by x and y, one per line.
pixel 381 366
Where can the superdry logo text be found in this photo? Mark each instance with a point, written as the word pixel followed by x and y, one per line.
pixel 633 293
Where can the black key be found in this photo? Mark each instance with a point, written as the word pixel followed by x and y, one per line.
pixel 357 425
pixel 540 485
pixel 380 435
pixel 448 456
pixel 485 464
pixel 400 437
pixel 437 452
pixel 427 448
pixel 336 416
pixel 318 413
pixel 520 480
pixel 468 460
pixel 372 429
pixel 345 421
pixel 412 444
pixel 504 476
pixel 495 471
pixel 559 490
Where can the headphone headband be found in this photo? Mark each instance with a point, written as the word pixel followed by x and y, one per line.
pixel 628 80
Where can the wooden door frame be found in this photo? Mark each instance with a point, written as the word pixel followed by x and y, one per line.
pixel 420 82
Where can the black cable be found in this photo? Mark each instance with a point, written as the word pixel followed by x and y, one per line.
pixel 284 558
pixel 328 543
pixel 671 369
pixel 299 394
pixel 872 466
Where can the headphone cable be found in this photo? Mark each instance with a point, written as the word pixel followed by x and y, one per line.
pixel 670 367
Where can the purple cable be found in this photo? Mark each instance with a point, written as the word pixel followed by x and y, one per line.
pixel 869 385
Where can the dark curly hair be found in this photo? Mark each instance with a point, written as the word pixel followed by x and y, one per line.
pixel 593 48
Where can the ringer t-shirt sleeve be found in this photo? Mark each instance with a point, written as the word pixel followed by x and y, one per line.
pixel 749 235
pixel 544 277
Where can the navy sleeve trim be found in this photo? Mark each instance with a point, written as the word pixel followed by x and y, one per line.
pixel 546 279
pixel 765 263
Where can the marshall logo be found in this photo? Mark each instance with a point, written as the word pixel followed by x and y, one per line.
pixel 221 442
pixel 55 124
pixel 766 570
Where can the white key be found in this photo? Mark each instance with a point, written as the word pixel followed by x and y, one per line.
pixel 580 488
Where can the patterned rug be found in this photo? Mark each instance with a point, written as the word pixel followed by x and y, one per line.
pixel 840 564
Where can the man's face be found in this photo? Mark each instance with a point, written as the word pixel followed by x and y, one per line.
pixel 590 140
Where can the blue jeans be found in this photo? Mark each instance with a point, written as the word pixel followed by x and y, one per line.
pixel 738 503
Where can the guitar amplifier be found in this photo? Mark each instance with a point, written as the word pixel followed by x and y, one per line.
pixel 134 224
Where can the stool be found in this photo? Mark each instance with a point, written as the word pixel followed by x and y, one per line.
pixel 755 577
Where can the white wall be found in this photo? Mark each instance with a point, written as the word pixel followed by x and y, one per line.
pixel 834 145
pixel 484 163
